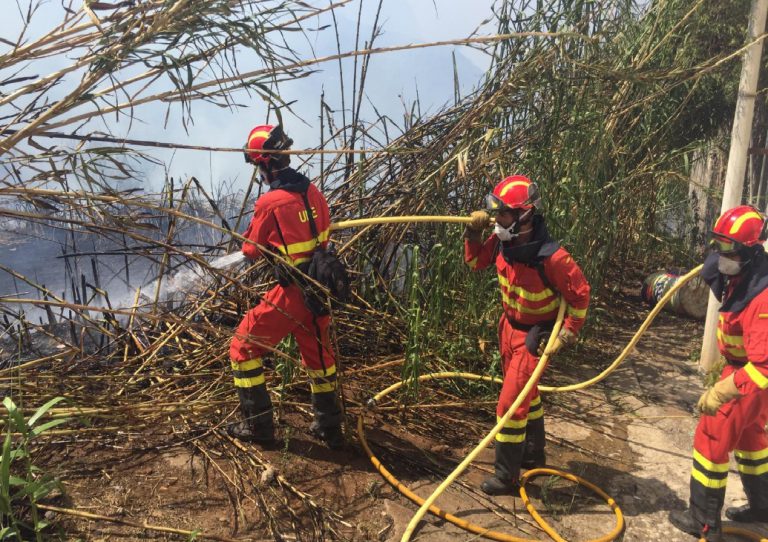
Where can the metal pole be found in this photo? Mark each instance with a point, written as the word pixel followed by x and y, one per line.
pixel 737 157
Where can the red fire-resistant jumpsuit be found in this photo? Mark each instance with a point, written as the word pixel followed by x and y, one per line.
pixel 738 425
pixel 527 301
pixel 280 225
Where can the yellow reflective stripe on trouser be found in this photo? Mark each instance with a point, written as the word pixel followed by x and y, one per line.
pixel 472 263
pixel 754 470
pixel 709 474
pixel 317 373
pixel 709 465
pixel 756 376
pixel 536 410
pixel 752 463
pixel 323 385
pixel 322 380
pixel 248 374
pixel 712 483
pixel 760 454
pixel 513 431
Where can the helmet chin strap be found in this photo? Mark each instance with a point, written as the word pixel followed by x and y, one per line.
pixel 522 232
pixel 514 228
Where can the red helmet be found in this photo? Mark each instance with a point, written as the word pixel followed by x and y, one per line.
pixel 265 137
pixel 514 192
pixel 739 227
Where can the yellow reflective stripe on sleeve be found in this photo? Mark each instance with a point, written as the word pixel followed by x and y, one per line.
pixel 323 388
pixel 304 246
pixel 247 365
pixel 761 454
pixel 577 313
pixel 249 382
pixel 513 424
pixel 318 373
pixel 763 315
pixel 756 376
pixel 707 464
pixel 510 438
pixel 472 263
pixel 754 470
pixel 549 307
pixel 525 294
pixel 708 482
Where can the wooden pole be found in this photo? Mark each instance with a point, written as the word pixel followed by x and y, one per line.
pixel 737 158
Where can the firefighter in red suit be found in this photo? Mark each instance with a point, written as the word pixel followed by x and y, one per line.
pixel 281 231
pixel 533 272
pixel 735 409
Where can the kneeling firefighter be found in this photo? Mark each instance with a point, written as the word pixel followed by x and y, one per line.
pixel 533 271
pixel 291 220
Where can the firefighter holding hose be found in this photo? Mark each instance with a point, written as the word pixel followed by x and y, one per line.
pixel 534 272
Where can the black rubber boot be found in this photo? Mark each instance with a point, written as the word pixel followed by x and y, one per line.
pixel 535 440
pixel 683 520
pixel 332 436
pixel 508 457
pixel 756 489
pixel 747 514
pixel 257 425
pixel 534 460
pixel 507 466
pixel 327 424
pixel 248 433
pixel 494 486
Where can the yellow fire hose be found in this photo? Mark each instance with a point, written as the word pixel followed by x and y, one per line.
pixel 428 504
pixel 682 281
pixel 360 222
pixel 534 378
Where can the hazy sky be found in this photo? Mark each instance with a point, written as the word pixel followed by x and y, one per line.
pixel 393 80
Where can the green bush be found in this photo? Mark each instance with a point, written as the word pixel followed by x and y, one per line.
pixel 22 484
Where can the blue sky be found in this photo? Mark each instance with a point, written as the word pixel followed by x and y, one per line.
pixel 393 82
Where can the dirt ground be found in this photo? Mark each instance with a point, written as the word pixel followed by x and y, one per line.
pixel 630 435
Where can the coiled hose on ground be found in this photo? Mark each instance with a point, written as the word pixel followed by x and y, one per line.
pixel 427 504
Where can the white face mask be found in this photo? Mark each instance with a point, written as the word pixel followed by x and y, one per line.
pixel 503 233
pixel 728 266
pixel 509 233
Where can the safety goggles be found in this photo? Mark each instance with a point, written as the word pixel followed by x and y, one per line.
pixel 494 204
pixel 723 245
